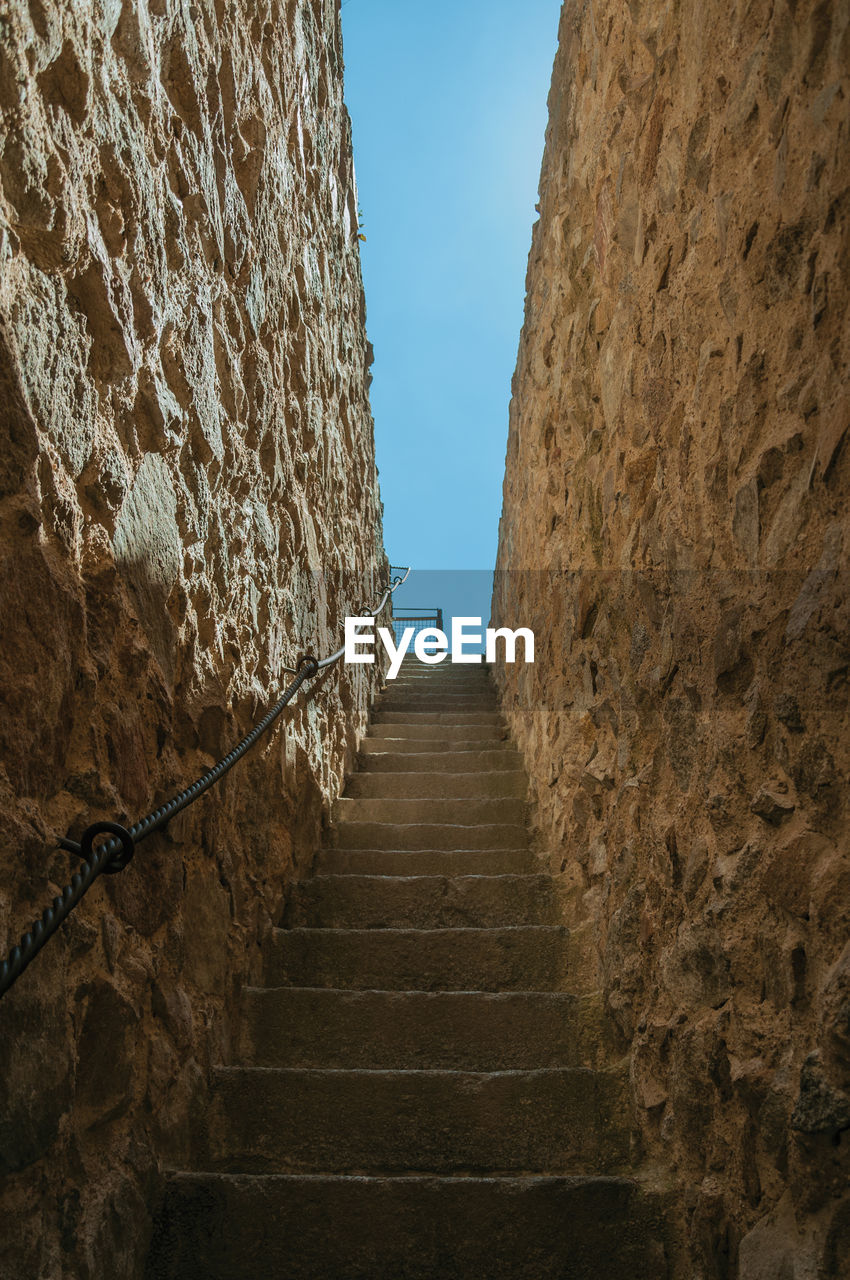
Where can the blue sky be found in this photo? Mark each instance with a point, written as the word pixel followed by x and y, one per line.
pixel 448 104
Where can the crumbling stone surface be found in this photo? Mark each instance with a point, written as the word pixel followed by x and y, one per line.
pixel 675 529
pixel 188 501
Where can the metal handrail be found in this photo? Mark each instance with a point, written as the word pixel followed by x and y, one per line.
pixel 114 854
pixel 417 615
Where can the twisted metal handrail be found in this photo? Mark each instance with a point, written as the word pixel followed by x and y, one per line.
pixel 114 854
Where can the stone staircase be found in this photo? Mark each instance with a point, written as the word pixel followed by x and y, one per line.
pixel 425 1089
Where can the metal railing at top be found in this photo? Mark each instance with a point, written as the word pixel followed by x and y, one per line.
pixel 113 854
pixel 420 619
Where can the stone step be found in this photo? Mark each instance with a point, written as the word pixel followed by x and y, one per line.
pixel 462 810
pixel 288 1120
pixel 379 756
pixel 428 746
pixel 427 835
pixel 424 862
pixel 521 958
pixel 454 695
pixel 439 733
pixel 279 1227
pixel 446 679
pixel 394 698
pixel 460 1030
pixel 421 902
pixel 436 686
pixel 484 784
pixel 402 711
pixel 434 715
pixel 444 671
pixel 451 689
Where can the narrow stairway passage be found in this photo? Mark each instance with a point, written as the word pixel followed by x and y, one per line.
pixel 425 1088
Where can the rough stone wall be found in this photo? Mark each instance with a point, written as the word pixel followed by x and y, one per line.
pixel 675 528
pixel 188 500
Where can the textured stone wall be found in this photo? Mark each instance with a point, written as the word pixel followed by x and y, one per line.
pixel 675 527
pixel 188 500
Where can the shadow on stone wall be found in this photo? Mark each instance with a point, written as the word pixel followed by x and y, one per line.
pixel 188 501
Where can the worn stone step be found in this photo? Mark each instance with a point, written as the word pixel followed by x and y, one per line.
pixel 421 902
pixel 380 742
pixel 424 688
pixel 279 1227
pixel 445 670
pixel 483 784
pixel 439 732
pixel 435 686
pixel 435 715
pixel 438 713
pixel 463 810
pixel 461 1030
pixel 425 862
pixel 287 1120
pixel 521 958
pixel 469 699
pixel 445 673
pixel 395 698
pixel 428 835
pixel 379 756
pixel 450 677
pixel 428 746
pixel 423 694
